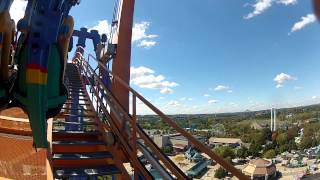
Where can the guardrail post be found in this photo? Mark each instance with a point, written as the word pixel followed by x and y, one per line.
pixel 134 129
pixel 134 122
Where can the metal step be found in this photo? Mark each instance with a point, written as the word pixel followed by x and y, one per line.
pixel 85 155
pixel 79 99
pixel 75 135
pixel 76 132
pixel 77 143
pixel 75 127
pixel 77 120
pixel 79 146
pixel 81 159
pixel 84 123
pixel 76 109
pixel 86 171
pixel 76 90
pixel 77 94
pixel 80 104
pixel 61 115
pixel 75 86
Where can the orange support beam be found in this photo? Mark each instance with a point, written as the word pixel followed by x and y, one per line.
pixel 317 8
pixel 121 63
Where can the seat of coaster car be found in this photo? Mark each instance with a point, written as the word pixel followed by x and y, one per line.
pixel 6 88
pixel 7 72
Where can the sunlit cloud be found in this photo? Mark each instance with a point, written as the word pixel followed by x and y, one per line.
pixel 260 6
pixel 304 21
pixel 145 78
pixel 140 37
pixel 282 78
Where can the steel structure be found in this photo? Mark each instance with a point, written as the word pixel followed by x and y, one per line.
pixel 80 113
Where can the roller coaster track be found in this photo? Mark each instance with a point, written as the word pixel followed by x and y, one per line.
pixel 97 136
pixel 77 147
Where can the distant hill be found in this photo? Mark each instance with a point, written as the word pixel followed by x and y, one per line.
pixel 203 120
pixel 247 113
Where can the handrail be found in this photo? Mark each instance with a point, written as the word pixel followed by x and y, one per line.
pixel 117 131
pixel 115 106
pixel 156 164
pixel 169 121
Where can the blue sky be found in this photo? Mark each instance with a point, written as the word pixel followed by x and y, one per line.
pixel 213 56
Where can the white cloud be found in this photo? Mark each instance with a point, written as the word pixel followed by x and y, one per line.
pixel 147 44
pixel 287 2
pixel 17 9
pixel 222 88
pixel 173 103
pixel 304 21
pixel 140 71
pixel 206 95
pixel 190 99
pixel 314 97
pixel 213 101
pixel 166 90
pixel 177 107
pixel 261 6
pixel 140 36
pixel 103 27
pixel 139 33
pixel 282 78
pixel 229 91
pixel 279 86
pixel 145 78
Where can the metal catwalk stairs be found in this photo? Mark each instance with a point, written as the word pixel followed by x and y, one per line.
pixel 78 150
pixel 87 146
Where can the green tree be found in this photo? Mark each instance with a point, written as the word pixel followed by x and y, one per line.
pixel 267 147
pixel 270 154
pixel 167 149
pixel 225 152
pixel 254 149
pixel 292 145
pixel 258 138
pixel 266 133
pixel 284 148
pixel 306 142
pixel 282 139
pixel 220 173
pixel 311 136
pixel 292 132
pixel 242 152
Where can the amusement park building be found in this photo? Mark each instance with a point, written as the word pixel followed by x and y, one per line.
pixel 260 169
